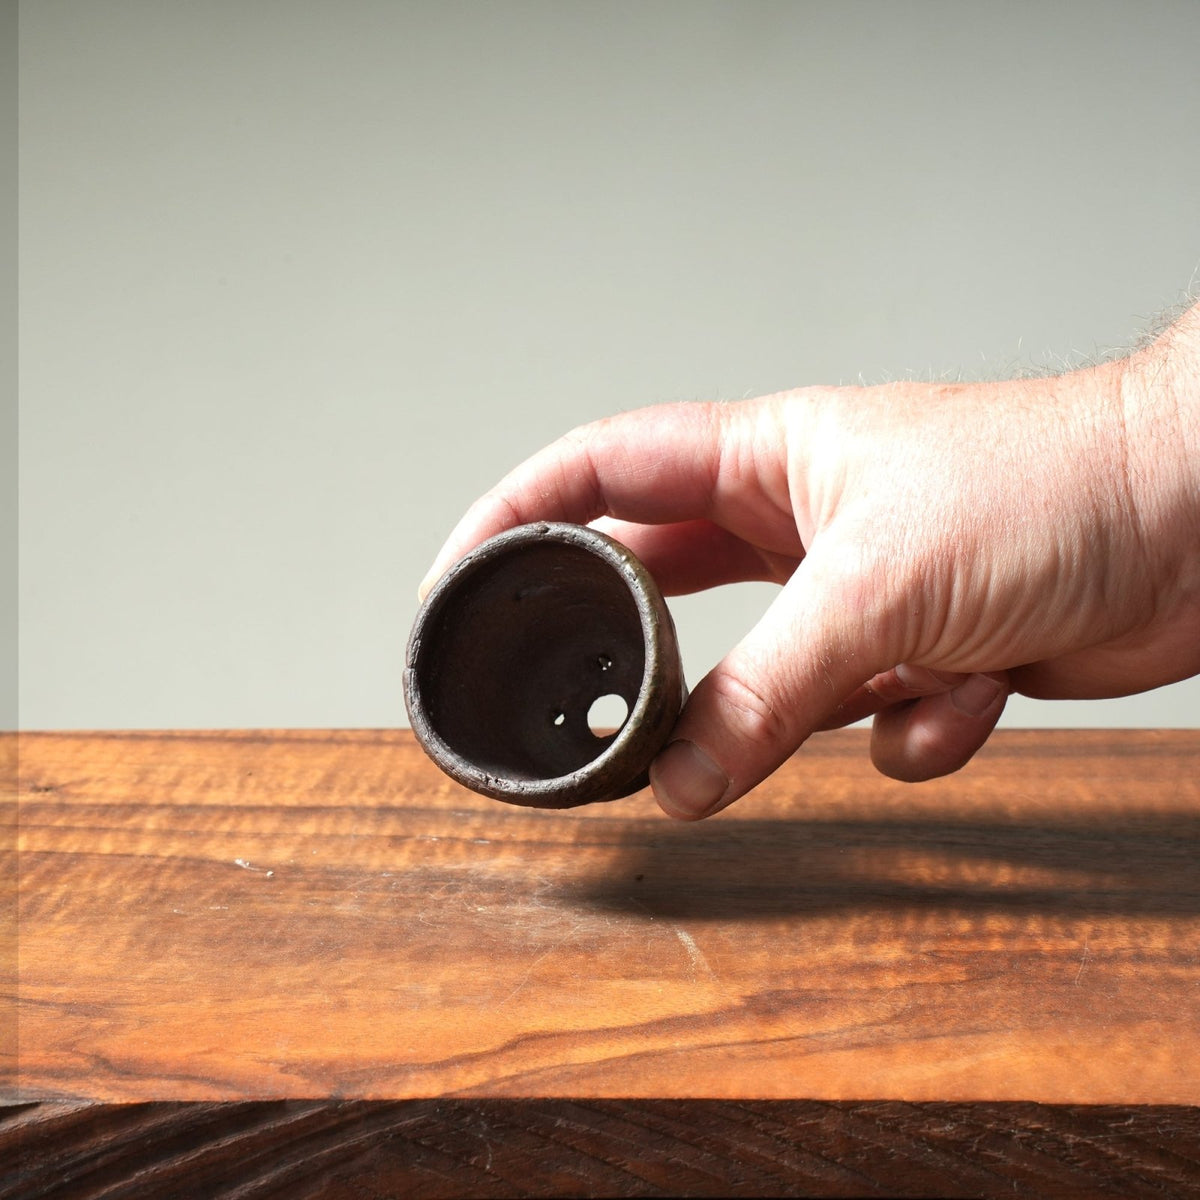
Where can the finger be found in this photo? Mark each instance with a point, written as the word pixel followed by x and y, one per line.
pixel 815 645
pixel 938 734
pixel 689 556
pixel 651 465
pixel 903 683
pixel 1136 662
pixel 677 462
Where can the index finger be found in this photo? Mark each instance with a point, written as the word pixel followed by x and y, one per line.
pixel 668 463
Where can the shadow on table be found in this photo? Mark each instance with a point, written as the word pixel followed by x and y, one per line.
pixel 1134 864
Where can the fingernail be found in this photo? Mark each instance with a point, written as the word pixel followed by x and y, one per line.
pixel 976 695
pixel 687 782
pixel 916 678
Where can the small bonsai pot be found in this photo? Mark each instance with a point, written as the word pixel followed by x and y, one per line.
pixel 513 647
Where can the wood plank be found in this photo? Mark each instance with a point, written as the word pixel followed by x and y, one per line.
pixel 443 1149
pixel 270 915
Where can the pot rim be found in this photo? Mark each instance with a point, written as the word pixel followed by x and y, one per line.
pixel 637 741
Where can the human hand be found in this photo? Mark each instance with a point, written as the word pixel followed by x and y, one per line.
pixel 938 547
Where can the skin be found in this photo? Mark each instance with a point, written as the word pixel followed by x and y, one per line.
pixel 938 547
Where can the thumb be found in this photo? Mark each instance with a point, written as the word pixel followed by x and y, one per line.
pixel 815 645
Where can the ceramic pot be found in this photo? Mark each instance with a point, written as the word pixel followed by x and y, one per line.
pixel 513 647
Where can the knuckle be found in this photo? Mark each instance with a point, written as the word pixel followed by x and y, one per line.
pixel 744 704
pixel 932 751
pixel 507 509
pixel 580 435
pixel 915 751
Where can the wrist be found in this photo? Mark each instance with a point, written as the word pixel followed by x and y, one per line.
pixel 1160 394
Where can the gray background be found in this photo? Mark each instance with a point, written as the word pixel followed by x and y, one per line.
pixel 301 279
pixel 8 381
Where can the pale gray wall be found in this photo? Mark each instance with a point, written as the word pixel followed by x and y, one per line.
pixel 8 374
pixel 300 279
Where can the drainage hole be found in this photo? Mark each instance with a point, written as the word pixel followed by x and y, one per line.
pixel 558 718
pixel 607 713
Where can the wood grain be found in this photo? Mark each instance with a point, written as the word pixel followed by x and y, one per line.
pixel 267 916
pixel 8 912
pixel 435 1149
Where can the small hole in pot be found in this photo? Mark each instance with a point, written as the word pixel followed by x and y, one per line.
pixel 558 718
pixel 607 713
pixel 604 662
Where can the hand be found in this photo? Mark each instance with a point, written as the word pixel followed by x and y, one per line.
pixel 938 547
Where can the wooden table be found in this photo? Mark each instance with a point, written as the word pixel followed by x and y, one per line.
pixel 306 964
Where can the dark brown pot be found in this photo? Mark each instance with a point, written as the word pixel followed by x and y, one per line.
pixel 512 647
